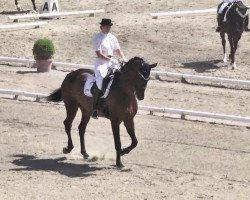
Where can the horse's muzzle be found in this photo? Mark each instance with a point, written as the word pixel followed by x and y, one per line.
pixel 140 97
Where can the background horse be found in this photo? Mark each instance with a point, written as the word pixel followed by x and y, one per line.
pixel 234 27
pixel 19 7
pixel 119 106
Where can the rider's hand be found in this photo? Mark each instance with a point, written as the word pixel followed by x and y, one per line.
pixel 124 59
pixel 114 61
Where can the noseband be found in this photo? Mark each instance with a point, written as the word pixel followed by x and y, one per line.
pixel 144 71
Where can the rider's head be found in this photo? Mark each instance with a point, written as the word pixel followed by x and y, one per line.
pixel 106 25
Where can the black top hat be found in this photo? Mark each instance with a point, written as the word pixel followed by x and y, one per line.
pixel 106 22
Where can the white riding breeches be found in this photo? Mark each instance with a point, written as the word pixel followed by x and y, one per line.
pixel 101 70
pixel 222 7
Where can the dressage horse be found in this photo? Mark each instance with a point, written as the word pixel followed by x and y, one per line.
pixel 234 27
pixel 119 106
pixel 19 7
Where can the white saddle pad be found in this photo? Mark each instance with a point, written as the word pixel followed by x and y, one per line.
pixel 89 83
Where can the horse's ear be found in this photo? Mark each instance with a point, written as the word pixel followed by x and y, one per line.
pixel 153 65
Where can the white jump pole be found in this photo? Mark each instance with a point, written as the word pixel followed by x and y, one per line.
pixel 23 93
pixel 22 25
pixel 154 73
pixel 49 15
pixel 187 12
pixel 195 113
pixel 201 78
pixel 32 61
pixel 146 108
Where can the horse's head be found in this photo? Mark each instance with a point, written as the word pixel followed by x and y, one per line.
pixel 139 72
pixel 237 15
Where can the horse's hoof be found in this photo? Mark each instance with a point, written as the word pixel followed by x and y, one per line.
pixel 93 159
pixel 67 150
pixel 85 156
pixel 119 165
pixel 233 66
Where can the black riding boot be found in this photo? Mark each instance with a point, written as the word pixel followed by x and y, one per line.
pixel 220 22
pixel 96 96
pixel 246 24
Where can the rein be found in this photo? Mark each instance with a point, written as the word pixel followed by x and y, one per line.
pixel 146 79
pixel 240 14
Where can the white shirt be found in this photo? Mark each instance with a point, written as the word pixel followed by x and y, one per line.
pixel 105 43
pixel 231 1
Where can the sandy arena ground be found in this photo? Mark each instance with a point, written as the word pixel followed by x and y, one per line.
pixel 175 159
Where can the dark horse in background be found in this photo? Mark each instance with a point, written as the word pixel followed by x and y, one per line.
pixel 234 27
pixel 19 7
pixel 119 106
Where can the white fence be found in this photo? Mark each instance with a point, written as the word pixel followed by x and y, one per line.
pixel 153 73
pixel 32 61
pixel 49 15
pixel 22 25
pixel 151 109
pixel 186 12
pixel 201 78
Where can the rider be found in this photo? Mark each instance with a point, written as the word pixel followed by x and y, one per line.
pixel 105 45
pixel 220 15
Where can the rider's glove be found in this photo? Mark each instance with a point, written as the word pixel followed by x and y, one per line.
pixel 124 59
pixel 114 61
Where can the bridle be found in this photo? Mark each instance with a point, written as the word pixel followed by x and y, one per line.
pixel 240 14
pixel 141 74
pixel 143 77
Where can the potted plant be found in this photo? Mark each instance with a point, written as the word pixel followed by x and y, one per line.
pixel 43 51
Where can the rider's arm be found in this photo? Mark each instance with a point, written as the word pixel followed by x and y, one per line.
pixel 102 56
pixel 121 54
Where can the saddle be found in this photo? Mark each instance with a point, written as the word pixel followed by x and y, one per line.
pixel 239 5
pixel 90 84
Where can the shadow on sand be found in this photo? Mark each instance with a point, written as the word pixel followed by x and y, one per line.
pixel 14 12
pixel 72 170
pixel 27 72
pixel 202 66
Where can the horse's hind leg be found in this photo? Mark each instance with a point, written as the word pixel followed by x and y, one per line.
pixel 129 124
pixel 82 129
pixel 223 41
pixel 71 110
pixel 34 4
pixel 17 5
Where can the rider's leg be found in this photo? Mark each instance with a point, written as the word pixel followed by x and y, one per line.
pixel 221 10
pixel 100 72
pixel 96 96
pixel 246 24
pixel 220 22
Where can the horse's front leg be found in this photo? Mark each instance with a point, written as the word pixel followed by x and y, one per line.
pixel 82 129
pixel 232 42
pixel 129 124
pixel 116 133
pixel 223 41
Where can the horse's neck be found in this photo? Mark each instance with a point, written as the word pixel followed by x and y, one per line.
pixel 124 83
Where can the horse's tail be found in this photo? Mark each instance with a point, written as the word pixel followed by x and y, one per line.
pixel 55 96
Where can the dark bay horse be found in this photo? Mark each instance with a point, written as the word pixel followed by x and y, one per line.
pixel 234 27
pixel 19 7
pixel 119 106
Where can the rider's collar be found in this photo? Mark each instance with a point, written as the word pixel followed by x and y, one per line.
pixel 103 34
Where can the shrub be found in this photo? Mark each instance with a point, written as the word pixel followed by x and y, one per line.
pixel 43 49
